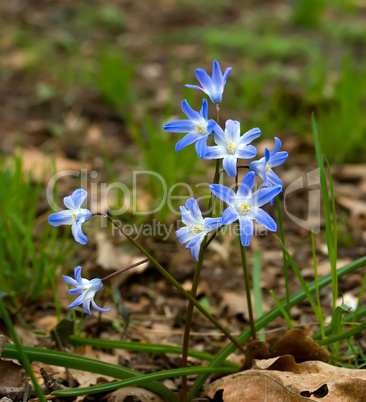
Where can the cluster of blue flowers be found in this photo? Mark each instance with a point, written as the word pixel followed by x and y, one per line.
pixel 244 205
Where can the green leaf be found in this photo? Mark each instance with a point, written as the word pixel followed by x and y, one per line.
pixel 144 379
pixel 145 347
pixel 84 364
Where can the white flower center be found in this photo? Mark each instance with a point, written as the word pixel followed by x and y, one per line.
pixel 197 229
pixel 231 148
pixel 243 208
pixel 202 128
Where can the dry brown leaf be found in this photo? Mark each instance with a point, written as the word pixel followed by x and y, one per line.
pixel 138 394
pixel 10 375
pixel 305 381
pixel 301 346
pixel 295 342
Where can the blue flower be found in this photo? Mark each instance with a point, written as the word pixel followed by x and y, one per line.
pixel 74 216
pixel 213 87
pixel 263 167
pixel 86 289
pixel 196 227
pixel 197 126
pixel 244 205
pixel 231 146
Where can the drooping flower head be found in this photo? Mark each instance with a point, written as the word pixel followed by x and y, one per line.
pixel 245 206
pixel 197 126
pixel 196 227
pixel 231 146
pixel 263 167
pixel 212 86
pixel 74 215
pixel 86 289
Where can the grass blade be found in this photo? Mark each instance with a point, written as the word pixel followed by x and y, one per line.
pixel 145 347
pixel 161 375
pixel 84 364
pixel 22 357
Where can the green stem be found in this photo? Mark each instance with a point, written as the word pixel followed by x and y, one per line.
pixel 196 278
pixel 120 271
pixel 283 311
pixel 23 358
pixel 188 323
pixel 285 267
pixel 320 315
pixel 175 283
pixel 247 289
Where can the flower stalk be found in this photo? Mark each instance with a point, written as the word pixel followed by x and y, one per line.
pixel 247 290
pixel 173 282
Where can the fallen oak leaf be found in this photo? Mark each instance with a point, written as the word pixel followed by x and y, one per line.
pixel 309 380
pixel 295 343
pixel 301 346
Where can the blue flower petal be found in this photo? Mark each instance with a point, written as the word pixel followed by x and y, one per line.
pixel 86 305
pixel 194 208
pixel 273 178
pixel 212 223
pixel 70 281
pixel 187 217
pixel 204 109
pixel 195 87
pixel 219 135
pixel 229 216
pixel 216 74
pixel 76 291
pixel 265 195
pixel 201 146
pixel 77 274
pixel 265 220
pixel 189 112
pixel 232 131
pixel 179 126
pixel 247 152
pixel 224 193
pixel 61 218
pixel 229 165
pixel 267 155
pixel 211 124
pixel 185 234
pixel 214 152
pixel 78 234
pixel 278 159
pixel 188 139
pixel 246 230
pixel 205 80
pixel 76 198
pixel 246 185
pixel 250 135
pixel 197 239
pixel 77 301
pixel 277 146
pixel 195 250
pixel 258 166
pixel 103 310
pixel 226 74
